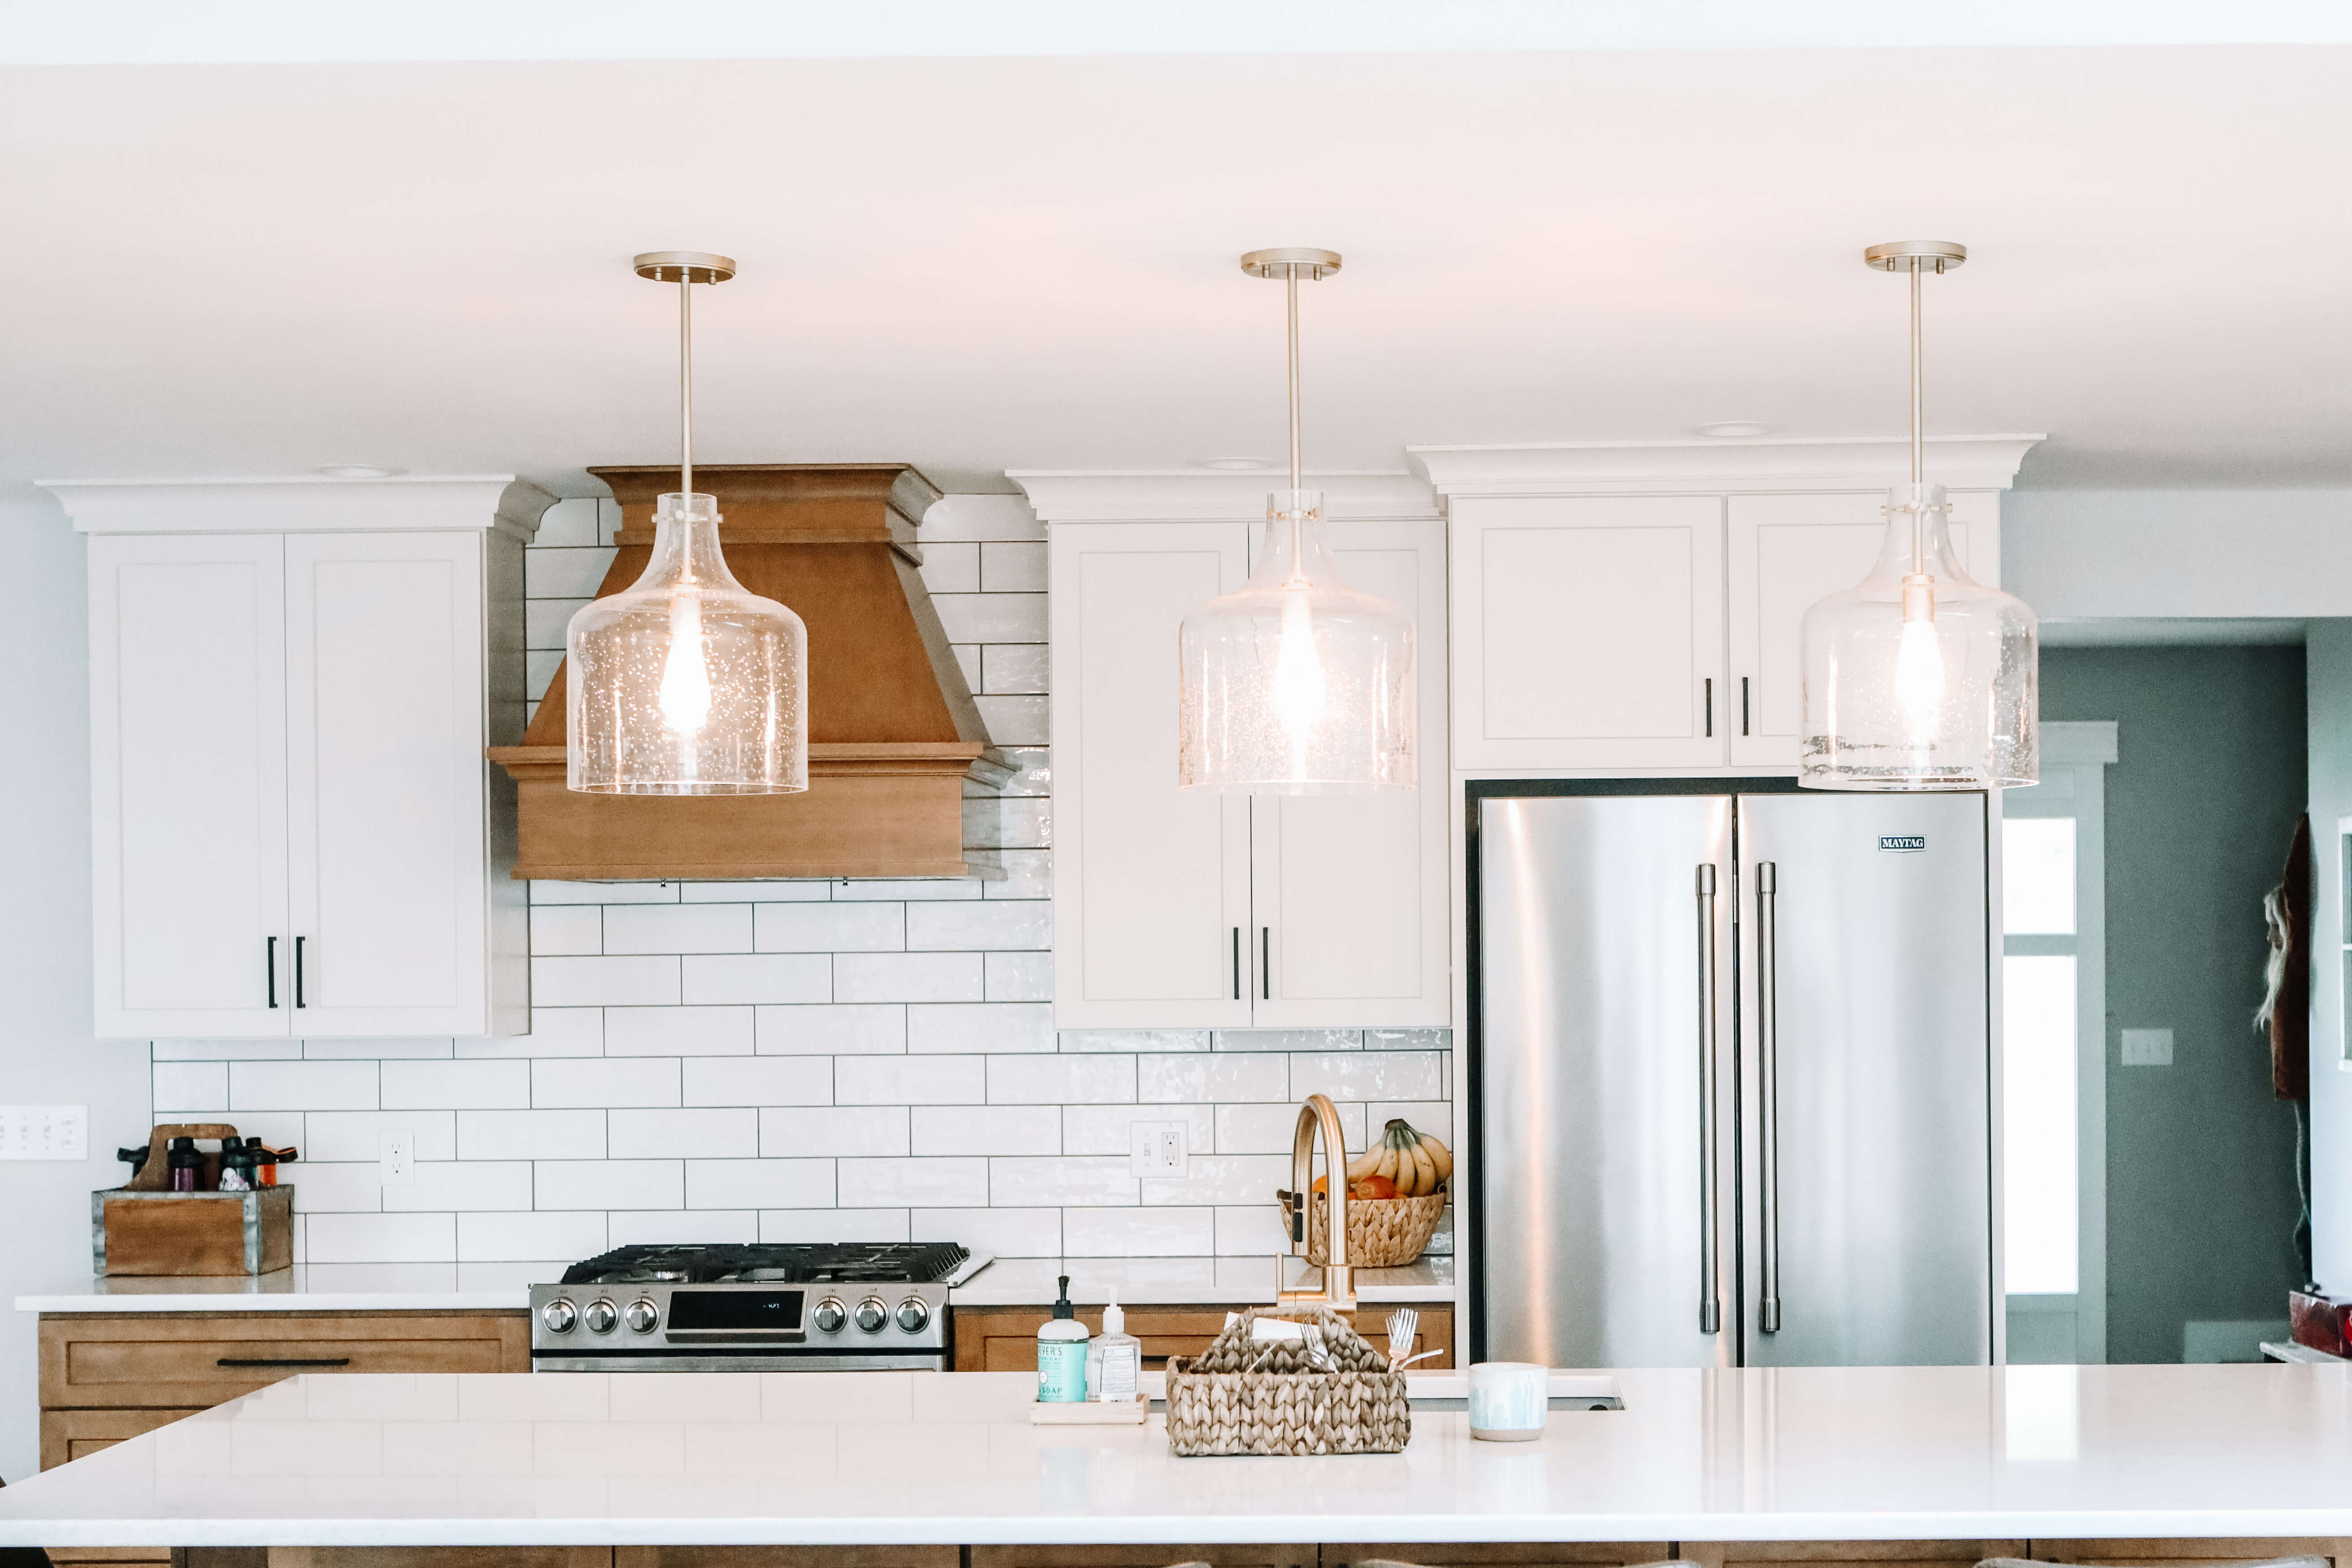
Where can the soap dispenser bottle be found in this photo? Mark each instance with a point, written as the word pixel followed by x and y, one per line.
pixel 1062 1354
pixel 1115 1366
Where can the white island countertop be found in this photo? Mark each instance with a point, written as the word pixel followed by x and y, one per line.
pixel 1940 1453
pixel 505 1287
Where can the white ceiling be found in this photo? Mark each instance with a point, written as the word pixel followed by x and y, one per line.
pixel 985 263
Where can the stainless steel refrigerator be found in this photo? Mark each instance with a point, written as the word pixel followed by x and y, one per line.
pixel 1730 1067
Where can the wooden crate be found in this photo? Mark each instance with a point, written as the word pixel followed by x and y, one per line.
pixel 141 1232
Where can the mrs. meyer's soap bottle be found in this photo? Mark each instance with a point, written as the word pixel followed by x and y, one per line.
pixel 1062 1354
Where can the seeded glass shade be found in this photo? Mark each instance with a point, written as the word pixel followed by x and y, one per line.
pixel 1295 683
pixel 1918 679
pixel 687 683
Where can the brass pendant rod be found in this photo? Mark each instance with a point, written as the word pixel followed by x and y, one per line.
pixel 1918 441
pixel 686 379
pixel 1297 513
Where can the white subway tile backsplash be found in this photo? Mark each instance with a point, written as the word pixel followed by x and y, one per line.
pixel 765 1183
pixel 384 1238
pixel 936 1028
pixel 830 928
pixel 759 978
pixel 1126 1233
pixel 491 1237
pixel 631 981
pixel 839 1029
pixel 605 1081
pixel 909 1080
pixel 860 1059
pixel 825 1130
pixel 524 1135
pixel 677 1031
pixel 906 977
pixel 456 1086
pixel 608 1184
pixel 679 928
pixel 985 926
pixel 1060 1080
pixel 567 929
pixel 302 1086
pixel 711 1134
pixel 987 1130
pixel 758 1080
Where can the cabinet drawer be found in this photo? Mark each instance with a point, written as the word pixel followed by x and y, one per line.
pixel 157 1363
pixel 1004 1339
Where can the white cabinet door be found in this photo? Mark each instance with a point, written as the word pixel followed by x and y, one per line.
pixel 1349 891
pixel 1587 632
pixel 386 815
pixel 1787 552
pixel 1151 881
pixel 188 785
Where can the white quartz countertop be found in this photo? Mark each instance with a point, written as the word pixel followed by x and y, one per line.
pixel 918 1458
pixel 493 1287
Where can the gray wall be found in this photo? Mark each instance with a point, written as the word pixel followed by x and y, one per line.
pixel 47 1055
pixel 2201 1200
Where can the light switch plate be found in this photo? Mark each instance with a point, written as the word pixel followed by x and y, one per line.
pixel 396 1148
pixel 2148 1048
pixel 44 1131
pixel 1156 1149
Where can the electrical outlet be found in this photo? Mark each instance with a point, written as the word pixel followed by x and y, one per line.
pixel 44 1131
pixel 396 1147
pixel 1155 1149
pixel 2148 1048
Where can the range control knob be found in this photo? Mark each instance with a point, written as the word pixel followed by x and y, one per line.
pixel 830 1315
pixel 872 1314
pixel 913 1313
pixel 602 1316
pixel 559 1315
pixel 642 1315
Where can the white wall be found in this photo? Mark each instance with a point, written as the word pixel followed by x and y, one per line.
pixel 47 1054
pixel 2073 554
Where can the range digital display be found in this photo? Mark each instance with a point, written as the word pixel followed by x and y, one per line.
pixel 736 1312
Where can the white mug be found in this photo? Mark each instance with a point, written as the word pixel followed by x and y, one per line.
pixel 1509 1400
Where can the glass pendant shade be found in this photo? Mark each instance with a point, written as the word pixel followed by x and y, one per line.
pixel 1918 679
pixel 687 682
pixel 1295 683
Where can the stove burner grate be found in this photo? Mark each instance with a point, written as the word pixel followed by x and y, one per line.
pixel 792 1263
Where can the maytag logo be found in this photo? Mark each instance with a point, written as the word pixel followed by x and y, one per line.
pixel 1903 843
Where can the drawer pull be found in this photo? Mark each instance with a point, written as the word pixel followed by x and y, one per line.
pixel 285 1360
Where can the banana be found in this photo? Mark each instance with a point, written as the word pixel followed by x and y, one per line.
pixel 1363 1164
pixel 1425 1175
pixel 1388 1162
pixel 1439 1156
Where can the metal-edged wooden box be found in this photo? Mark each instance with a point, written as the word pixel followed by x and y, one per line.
pixel 136 1232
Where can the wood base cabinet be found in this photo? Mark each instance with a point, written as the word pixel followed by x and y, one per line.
pixel 1004 1339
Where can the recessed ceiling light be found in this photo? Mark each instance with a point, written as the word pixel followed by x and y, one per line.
pixel 1734 427
pixel 358 471
pixel 1233 465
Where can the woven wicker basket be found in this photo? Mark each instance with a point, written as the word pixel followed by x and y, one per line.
pixel 1382 1233
pixel 1284 1406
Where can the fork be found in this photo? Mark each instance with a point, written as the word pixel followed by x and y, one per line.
pixel 1319 1354
pixel 1401 1324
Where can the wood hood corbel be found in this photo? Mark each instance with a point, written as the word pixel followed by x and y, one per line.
pixel 896 742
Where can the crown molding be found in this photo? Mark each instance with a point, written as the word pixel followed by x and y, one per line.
pixel 1198 496
pixel 303 504
pixel 1662 468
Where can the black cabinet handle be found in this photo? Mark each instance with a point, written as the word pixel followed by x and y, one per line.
pixel 298 973
pixel 1238 963
pixel 1710 718
pixel 269 966
pixel 1743 705
pixel 285 1360
pixel 1266 961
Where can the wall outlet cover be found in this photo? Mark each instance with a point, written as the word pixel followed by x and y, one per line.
pixel 2148 1048
pixel 44 1131
pixel 1156 1149
pixel 396 1148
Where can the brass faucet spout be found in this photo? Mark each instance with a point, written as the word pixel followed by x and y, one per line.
pixel 1319 1117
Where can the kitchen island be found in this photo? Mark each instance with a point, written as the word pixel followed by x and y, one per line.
pixel 1965 1461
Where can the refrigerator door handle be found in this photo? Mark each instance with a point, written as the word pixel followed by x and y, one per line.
pixel 1710 1309
pixel 1768 1087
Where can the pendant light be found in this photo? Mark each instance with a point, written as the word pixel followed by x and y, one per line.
pixel 1295 683
pixel 1918 679
pixel 687 682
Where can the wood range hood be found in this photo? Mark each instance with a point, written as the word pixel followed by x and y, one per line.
pixel 895 738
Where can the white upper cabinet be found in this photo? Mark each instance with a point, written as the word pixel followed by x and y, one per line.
pixel 1183 909
pixel 1790 551
pixel 1637 608
pixel 295 829
pixel 1588 631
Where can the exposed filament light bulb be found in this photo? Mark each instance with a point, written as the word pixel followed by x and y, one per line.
pixel 1919 660
pixel 686 673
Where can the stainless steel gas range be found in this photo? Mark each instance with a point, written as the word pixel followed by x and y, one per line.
pixel 780 1307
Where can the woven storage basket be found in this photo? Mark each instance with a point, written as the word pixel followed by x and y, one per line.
pixel 1285 1405
pixel 1382 1233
